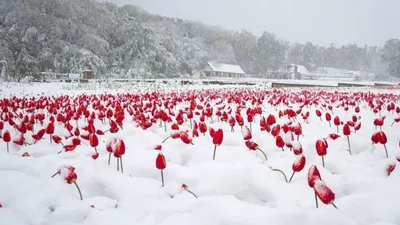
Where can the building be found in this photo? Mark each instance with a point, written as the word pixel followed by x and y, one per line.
pixel 223 70
pixel 88 74
pixel 297 72
pixel 329 73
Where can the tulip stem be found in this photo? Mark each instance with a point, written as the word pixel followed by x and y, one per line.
pixel 191 193
pixel 120 161
pixel 54 175
pixel 283 149
pixel 165 139
pixel 265 155
pixel 280 171
pixel 251 129
pixel 109 158
pixel 8 147
pixel 162 178
pixel 51 141
pixel 337 129
pixel 330 124
pixel 191 126
pixel 387 155
pixel 79 190
pixel 291 177
pixel 117 164
pixel 348 142
pixel 95 149
pixel 316 200
pixel 323 161
pixel 215 150
pixel 334 205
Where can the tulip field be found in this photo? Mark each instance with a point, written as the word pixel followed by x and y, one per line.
pixel 199 155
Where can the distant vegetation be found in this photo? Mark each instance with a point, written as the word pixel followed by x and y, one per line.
pixel 69 36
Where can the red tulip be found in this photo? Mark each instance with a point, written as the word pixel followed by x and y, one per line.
pixel 95 155
pixel 333 136
pixel 279 142
pixel 202 128
pixel 390 168
pixel 161 164
pixel 185 138
pixel 251 145
pixel 271 120
pixel 337 122
pixel 69 148
pixel 275 130
pixel 321 148
pixel 7 138
pixel 328 118
pixel 380 137
pixel 217 140
pixel 158 147
pixel 57 139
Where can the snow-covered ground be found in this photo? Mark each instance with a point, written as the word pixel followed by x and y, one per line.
pixel 237 188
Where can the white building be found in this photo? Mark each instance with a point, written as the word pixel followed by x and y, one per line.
pixel 297 72
pixel 329 73
pixel 223 70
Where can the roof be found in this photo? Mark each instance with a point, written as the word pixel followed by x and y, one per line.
pixel 226 68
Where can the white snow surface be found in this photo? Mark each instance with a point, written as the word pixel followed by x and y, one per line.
pixel 238 188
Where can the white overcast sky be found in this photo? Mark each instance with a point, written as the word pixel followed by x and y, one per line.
pixel 319 21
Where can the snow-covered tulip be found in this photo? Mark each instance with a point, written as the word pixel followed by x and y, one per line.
pixel 246 133
pixel 186 138
pixel 119 151
pixel 324 193
pixel 297 148
pixel 110 147
pixel 161 164
pixel 298 165
pixel 69 175
pixel 313 176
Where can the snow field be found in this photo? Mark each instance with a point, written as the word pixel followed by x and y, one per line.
pixel 238 188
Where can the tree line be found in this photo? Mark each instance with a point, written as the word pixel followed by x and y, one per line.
pixel 69 36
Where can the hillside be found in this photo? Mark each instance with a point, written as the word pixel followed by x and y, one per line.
pixel 73 35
